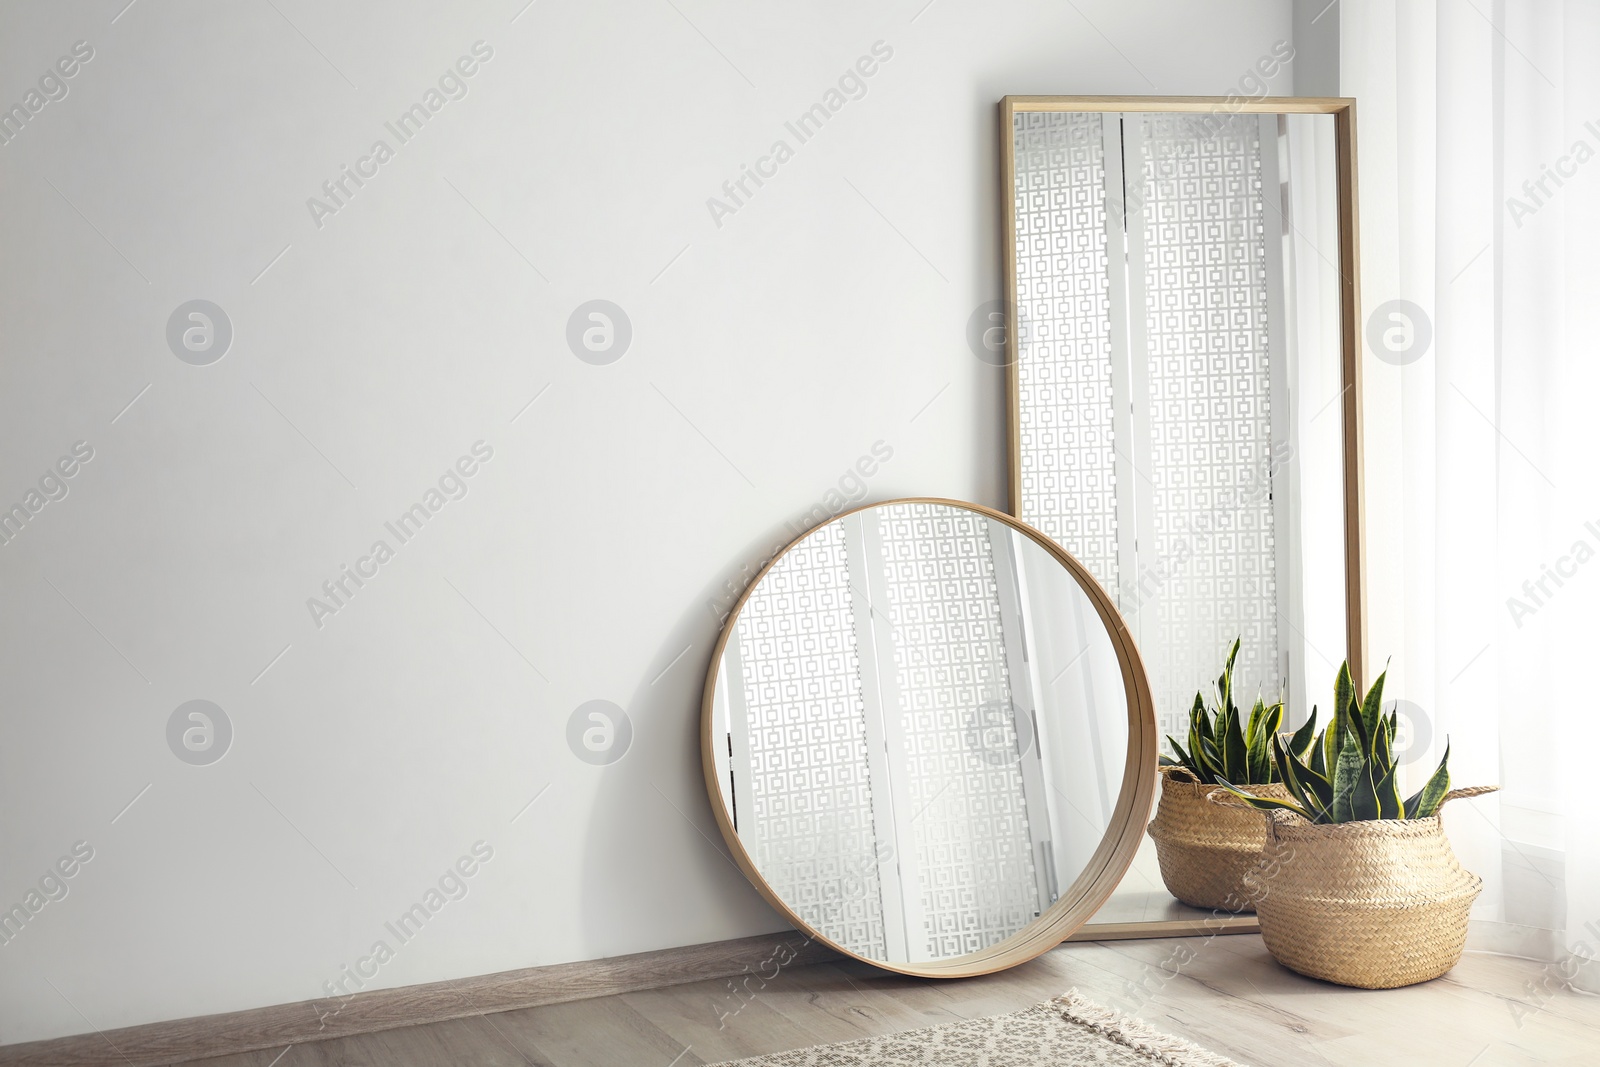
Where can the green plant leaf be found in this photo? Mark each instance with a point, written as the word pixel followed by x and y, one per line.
pixel 1225 683
pixel 1258 756
pixel 1299 788
pixel 1272 723
pixel 1235 753
pixel 1315 789
pixel 1346 772
pixel 1333 737
pixel 1364 801
pixel 1188 762
pixel 1271 720
pixel 1382 750
pixel 1372 707
pixel 1199 719
pixel 1358 727
pixel 1432 795
pixel 1303 737
pixel 1266 803
pixel 1262 772
pixel 1389 803
pixel 1258 711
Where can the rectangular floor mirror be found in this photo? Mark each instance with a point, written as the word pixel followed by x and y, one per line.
pixel 1182 343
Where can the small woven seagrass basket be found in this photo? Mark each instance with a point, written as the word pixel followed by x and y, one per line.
pixel 1206 850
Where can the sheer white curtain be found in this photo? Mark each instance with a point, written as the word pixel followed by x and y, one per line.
pixel 1478 125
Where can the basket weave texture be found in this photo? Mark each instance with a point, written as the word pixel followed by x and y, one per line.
pixel 1373 904
pixel 1206 850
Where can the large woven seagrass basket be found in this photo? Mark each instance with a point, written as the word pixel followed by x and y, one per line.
pixel 1375 904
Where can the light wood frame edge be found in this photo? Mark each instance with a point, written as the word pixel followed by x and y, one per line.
pixel 1343 110
pixel 1106 866
pixel 1206 927
pixel 1351 341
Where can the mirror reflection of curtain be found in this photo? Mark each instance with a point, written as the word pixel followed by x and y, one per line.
pixel 882 701
pixel 968 828
pixel 805 807
pixel 1064 324
pixel 1204 272
pixel 1156 380
pixel 1311 534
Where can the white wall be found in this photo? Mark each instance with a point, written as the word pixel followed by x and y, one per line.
pixel 768 354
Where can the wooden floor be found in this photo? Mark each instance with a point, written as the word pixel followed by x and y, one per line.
pixel 1225 993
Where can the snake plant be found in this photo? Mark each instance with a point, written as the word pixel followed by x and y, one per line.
pixel 1224 747
pixel 1352 773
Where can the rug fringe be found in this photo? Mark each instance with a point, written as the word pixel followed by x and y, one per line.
pixel 1135 1034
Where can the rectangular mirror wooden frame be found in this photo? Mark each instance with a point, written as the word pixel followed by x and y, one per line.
pixel 1342 110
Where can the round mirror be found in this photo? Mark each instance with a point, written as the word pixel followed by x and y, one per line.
pixel 929 739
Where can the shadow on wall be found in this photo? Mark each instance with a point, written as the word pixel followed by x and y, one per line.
pixel 655 787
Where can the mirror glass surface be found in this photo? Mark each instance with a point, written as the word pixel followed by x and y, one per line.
pixel 1178 387
pixel 919 730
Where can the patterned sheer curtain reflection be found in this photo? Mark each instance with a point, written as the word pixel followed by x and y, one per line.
pixel 1479 129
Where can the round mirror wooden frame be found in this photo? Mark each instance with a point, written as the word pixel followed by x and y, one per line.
pixel 1109 862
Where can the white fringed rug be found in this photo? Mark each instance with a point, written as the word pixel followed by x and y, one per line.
pixel 1069 1030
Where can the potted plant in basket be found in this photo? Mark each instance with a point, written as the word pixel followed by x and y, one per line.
pixel 1365 890
pixel 1206 851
